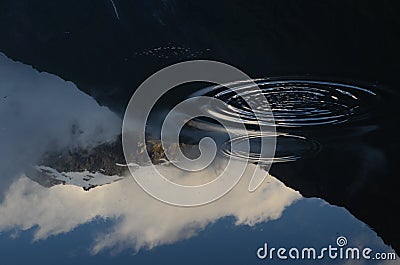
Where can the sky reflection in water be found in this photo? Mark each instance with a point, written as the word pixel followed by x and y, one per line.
pixel 121 219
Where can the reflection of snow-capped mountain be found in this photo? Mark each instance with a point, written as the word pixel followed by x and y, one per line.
pixel 44 120
pixel 82 167
pixel 48 176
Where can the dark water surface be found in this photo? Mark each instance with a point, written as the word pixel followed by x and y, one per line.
pixel 329 71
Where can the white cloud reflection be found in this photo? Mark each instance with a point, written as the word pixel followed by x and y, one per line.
pixel 41 112
pixel 142 222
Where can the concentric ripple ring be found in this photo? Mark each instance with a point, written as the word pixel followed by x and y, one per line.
pixel 294 103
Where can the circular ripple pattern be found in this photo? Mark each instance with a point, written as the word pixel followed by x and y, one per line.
pixel 288 148
pixel 294 103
